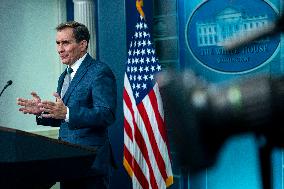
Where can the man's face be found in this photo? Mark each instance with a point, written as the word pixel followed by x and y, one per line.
pixel 67 48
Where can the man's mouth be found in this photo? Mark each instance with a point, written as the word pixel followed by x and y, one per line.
pixel 63 56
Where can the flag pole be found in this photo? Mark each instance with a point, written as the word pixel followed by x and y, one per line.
pixel 139 5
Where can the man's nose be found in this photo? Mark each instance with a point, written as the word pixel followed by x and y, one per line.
pixel 60 48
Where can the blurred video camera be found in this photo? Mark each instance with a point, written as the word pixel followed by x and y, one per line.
pixel 203 116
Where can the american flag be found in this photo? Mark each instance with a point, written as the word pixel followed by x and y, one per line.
pixel 146 152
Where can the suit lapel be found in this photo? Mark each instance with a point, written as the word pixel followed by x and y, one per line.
pixel 60 81
pixel 77 78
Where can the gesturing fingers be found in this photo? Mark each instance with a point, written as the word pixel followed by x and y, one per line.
pixel 21 101
pixel 24 110
pixel 30 106
pixel 56 110
pixel 48 103
pixel 47 106
pixel 58 98
pixel 34 94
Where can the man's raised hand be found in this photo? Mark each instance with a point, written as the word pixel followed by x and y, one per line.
pixel 30 106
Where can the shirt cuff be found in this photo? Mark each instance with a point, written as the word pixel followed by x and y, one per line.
pixel 67 115
pixel 39 116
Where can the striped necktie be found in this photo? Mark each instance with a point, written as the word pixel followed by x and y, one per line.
pixel 66 82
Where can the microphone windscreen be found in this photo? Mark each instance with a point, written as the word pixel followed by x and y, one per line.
pixel 9 82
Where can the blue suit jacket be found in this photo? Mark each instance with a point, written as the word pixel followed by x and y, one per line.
pixel 91 99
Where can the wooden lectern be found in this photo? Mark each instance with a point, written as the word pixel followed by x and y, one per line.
pixel 36 162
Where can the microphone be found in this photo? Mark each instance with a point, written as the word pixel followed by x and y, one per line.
pixel 261 33
pixel 7 84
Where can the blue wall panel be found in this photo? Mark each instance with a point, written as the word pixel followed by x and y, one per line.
pixel 112 50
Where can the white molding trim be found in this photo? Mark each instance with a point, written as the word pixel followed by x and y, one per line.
pixel 84 12
pixel 61 17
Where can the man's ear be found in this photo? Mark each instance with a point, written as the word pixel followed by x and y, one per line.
pixel 84 44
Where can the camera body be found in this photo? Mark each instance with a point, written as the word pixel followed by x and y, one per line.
pixel 203 116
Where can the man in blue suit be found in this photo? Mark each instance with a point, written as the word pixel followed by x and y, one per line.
pixel 85 104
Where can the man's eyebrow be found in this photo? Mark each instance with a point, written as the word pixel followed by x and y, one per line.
pixel 63 41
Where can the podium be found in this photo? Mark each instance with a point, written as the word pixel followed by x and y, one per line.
pixel 36 162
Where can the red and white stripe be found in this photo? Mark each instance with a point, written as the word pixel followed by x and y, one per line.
pixel 146 154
